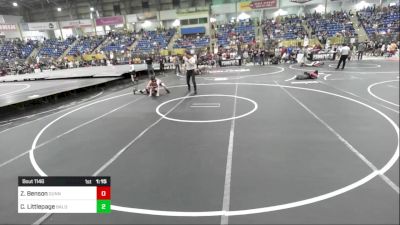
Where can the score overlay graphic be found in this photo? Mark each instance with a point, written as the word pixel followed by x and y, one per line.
pixel 64 194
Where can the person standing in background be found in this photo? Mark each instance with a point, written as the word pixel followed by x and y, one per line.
pixel 361 49
pixel 350 52
pixel 334 52
pixel 245 56
pixel 255 54
pixel 149 62
pixel 262 57
pixel 176 63
pixel 162 63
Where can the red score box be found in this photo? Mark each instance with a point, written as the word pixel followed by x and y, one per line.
pixel 104 193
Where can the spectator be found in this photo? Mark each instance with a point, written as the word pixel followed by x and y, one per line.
pixel 150 69
pixel 361 49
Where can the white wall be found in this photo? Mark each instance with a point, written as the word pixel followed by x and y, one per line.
pixel 168 14
pixel 224 12
pixel 65 33
pixel 88 30
pixel 100 30
pixel 9 19
pixel 353 5
pixel 12 34
pixel 151 26
pixel 223 8
pixel 131 18
pixel 12 19
pixel 192 15
pixel 195 15
pixel 386 2
pixel 168 23
pixel 296 8
pixel 35 35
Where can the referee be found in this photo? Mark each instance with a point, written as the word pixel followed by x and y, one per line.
pixel 344 53
pixel 190 64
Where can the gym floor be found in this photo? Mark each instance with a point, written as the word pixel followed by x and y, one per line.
pixel 253 146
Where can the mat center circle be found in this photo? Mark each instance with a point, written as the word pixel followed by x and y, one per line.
pixel 222 105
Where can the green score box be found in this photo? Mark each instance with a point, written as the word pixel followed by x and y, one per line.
pixel 103 206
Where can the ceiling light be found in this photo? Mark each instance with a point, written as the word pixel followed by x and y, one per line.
pixel 91 9
pixel 15 4
pixel 59 9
